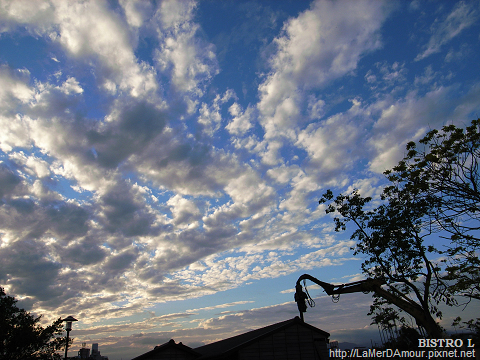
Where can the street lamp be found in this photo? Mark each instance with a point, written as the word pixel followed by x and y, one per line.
pixel 68 327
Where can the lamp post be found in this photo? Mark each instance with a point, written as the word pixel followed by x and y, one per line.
pixel 68 327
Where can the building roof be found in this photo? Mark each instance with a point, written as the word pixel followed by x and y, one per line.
pixel 227 347
pixel 222 347
pixel 163 347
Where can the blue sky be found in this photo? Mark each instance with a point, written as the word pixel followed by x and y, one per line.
pixel 162 162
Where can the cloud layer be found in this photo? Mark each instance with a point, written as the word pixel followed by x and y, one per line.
pixel 135 175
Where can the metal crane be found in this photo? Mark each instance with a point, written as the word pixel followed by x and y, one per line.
pixel 301 297
pixel 409 306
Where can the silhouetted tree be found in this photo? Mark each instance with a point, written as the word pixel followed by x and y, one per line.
pixel 391 236
pixel 446 173
pixel 434 190
pixel 21 336
pixel 406 339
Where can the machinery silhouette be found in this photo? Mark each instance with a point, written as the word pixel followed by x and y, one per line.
pixel 366 286
pixel 302 298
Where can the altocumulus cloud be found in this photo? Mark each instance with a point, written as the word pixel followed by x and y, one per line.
pixel 161 162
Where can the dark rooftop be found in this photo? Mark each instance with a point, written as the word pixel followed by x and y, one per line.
pixel 235 342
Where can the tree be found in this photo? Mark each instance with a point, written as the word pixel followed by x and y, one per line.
pixel 21 336
pixel 446 172
pixel 406 339
pixel 386 319
pixel 432 190
pixel 391 236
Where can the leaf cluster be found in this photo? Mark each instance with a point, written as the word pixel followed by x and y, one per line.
pixel 22 336
pixel 391 239
pixel 472 325
pixel 432 190
pixel 444 169
pixel 406 339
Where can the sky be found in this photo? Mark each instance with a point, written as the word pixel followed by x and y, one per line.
pixel 162 162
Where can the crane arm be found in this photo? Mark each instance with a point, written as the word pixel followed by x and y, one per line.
pixel 301 297
pixel 368 285
pixel 357 286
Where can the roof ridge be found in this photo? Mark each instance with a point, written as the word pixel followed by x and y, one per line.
pixel 229 344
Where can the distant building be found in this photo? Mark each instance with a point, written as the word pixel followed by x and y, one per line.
pixel 96 353
pixel 333 345
pixel 291 339
pixel 84 353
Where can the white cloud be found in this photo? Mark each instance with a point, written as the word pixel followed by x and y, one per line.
pixel 14 13
pixel 14 93
pixel 302 187
pixel 14 86
pixel 266 262
pixel 242 120
pixel 184 166
pixel 15 133
pixel 334 145
pixel 460 55
pixel 387 77
pixel 366 187
pixel 320 45
pixel 174 13
pixel 315 107
pixel 210 117
pixel 136 11
pixel 34 165
pixel 283 174
pixel 406 119
pixel 183 210
pixel 463 15
pixel 90 30
pixel 268 150
pixel 186 58
pixel 426 78
pixel 248 188
pixel 221 306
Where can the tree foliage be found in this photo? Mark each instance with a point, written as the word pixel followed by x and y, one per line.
pixel 446 173
pixel 22 337
pixel 432 190
pixel 405 339
pixel 391 239
pixel 473 325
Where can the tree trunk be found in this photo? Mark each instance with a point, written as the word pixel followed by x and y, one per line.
pixel 422 317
